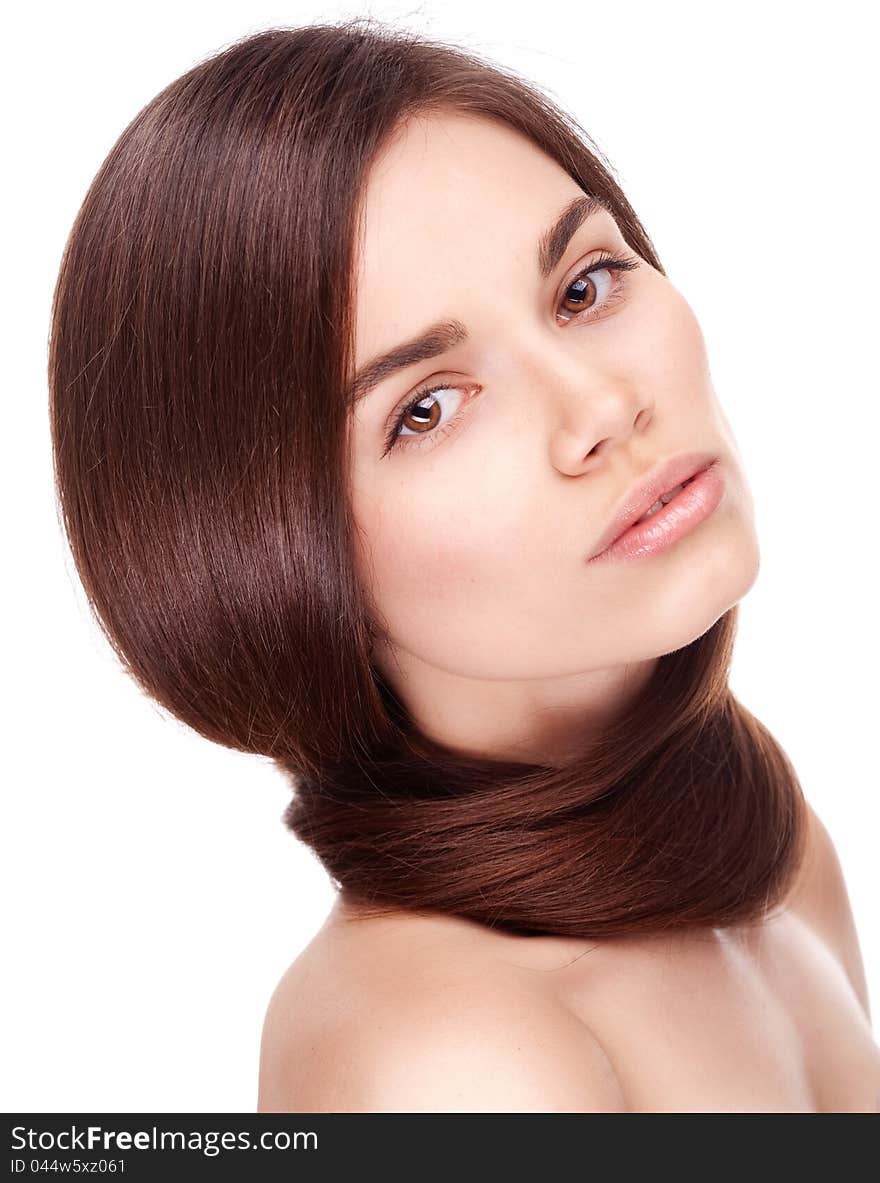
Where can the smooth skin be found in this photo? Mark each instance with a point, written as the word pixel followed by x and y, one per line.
pixel 501 640
pixel 422 1013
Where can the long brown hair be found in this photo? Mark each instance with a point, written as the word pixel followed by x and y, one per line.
pixel 199 366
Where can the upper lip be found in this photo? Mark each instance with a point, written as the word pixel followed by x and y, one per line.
pixel 665 475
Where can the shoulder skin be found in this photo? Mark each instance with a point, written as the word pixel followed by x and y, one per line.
pixel 821 900
pixel 444 1048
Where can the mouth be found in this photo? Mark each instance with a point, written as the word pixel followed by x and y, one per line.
pixel 662 485
pixel 664 499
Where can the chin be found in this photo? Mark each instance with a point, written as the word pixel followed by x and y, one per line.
pixel 718 585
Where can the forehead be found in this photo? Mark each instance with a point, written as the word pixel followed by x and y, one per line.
pixel 449 196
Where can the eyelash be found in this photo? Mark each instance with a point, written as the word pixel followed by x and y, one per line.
pixel 606 262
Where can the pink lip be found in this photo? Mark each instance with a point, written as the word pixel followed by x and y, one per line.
pixel 694 503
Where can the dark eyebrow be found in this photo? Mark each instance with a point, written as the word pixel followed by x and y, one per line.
pixel 446 334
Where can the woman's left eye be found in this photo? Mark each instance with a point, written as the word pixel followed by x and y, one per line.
pixel 583 282
pixel 588 295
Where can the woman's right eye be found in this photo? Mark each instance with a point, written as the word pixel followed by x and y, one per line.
pixel 426 416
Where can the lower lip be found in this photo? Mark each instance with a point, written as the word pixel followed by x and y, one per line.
pixel 690 506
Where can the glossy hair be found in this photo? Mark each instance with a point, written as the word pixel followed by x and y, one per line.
pixel 200 359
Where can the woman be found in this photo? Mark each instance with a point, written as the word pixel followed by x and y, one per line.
pixel 364 377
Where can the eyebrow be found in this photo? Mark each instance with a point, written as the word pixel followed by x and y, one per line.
pixel 446 334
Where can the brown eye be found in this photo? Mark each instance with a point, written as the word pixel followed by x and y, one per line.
pixel 587 292
pixel 584 294
pixel 423 419
pixel 420 416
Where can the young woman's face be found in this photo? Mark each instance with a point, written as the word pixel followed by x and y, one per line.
pixel 475 526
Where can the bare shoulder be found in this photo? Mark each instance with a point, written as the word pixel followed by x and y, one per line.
pixel 420 1034
pixel 820 899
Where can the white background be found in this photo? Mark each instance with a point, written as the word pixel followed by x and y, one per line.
pixel 152 896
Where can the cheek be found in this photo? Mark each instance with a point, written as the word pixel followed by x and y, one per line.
pixel 454 569
pixel 671 353
pixel 419 540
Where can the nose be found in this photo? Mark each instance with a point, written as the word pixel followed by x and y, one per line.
pixel 594 414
